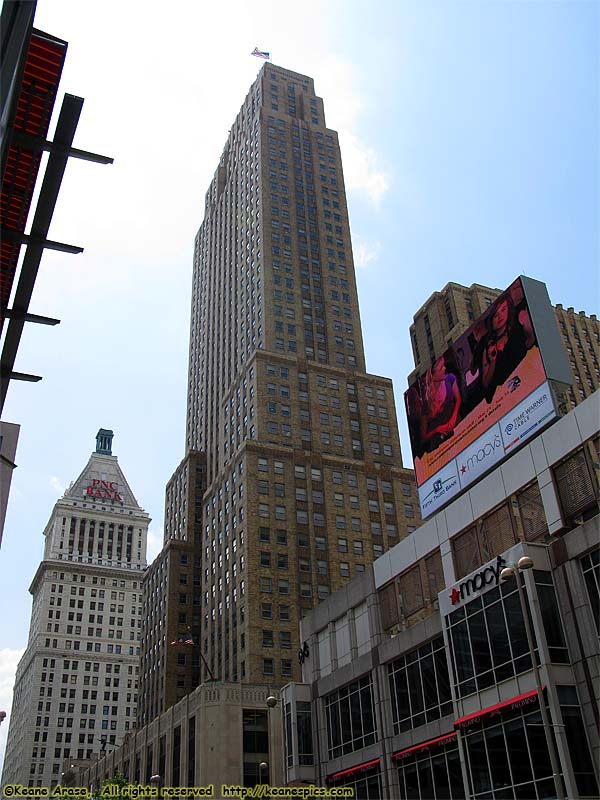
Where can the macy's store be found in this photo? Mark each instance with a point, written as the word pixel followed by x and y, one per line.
pixel 425 674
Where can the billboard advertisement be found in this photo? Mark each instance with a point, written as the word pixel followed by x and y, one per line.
pixel 485 395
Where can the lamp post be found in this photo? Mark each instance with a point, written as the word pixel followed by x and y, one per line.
pixel 525 563
pixel 155 781
pixel 262 767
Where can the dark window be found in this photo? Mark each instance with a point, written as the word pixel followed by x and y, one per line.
pixel 351 718
pixel 488 640
pixel 420 686
pixel 555 637
pixel 581 760
pixel 590 565
pixel 432 774
pixel 304 731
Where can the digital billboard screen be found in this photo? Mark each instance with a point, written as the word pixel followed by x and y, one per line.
pixel 485 395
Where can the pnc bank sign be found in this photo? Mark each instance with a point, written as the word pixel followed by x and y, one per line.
pixel 488 575
pixel 106 490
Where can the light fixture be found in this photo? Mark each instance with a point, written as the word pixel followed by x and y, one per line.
pixel 271 701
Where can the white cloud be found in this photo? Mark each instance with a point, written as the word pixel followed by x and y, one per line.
pixel 154 545
pixel 56 484
pixel 361 172
pixel 365 252
pixel 8 666
pixel 337 84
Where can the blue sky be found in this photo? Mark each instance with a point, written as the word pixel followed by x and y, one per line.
pixel 470 142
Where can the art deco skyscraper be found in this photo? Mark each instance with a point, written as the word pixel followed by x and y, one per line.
pixel 76 685
pixel 304 469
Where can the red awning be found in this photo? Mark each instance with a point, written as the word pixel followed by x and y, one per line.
pixel 42 70
pixel 515 703
pixel 345 773
pixel 441 740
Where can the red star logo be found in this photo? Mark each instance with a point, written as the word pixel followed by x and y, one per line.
pixel 463 469
pixel 454 596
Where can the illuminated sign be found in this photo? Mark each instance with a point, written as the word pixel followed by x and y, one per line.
pixel 485 395
pixel 106 490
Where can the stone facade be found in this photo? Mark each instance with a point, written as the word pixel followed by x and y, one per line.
pixel 170 668
pixel 76 684
pixel 305 483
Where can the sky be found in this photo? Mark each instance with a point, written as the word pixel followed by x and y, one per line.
pixel 470 144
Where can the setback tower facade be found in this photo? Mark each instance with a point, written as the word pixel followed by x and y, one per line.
pixel 304 470
pixel 76 685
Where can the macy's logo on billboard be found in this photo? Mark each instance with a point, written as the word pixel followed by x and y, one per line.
pixel 478 581
pixel 486 450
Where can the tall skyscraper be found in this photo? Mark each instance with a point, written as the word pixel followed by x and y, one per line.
pixel 446 314
pixel 76 685
pixel 304 470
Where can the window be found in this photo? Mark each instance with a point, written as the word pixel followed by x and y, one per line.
pixel 411 591
pixel 577 741
pixel 267 638
pixel 436 766
pixel 350 718
pixel 576 488
pixel 590 564
pixel 420 686
pixel 472 549
pixel 344 569
pixel 268 666
pixel 488 642
pixel 342 545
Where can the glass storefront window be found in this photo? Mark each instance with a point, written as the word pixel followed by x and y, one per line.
pixel 432 775
pixel 509 758
pixel 420 686
pixel 581 761
pixel 350 717
pixel 366 785
pixel 488 640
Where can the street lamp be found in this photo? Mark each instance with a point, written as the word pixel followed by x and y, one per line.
pixel 263 766
pixel 514 571
pixel 271 701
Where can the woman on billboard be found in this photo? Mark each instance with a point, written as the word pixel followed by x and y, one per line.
pixel 441 406
pixel 510 336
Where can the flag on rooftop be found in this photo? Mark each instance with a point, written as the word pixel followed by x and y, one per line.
pixel 261 54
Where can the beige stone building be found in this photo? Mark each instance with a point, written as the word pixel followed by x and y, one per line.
pixel 445 315
pixel 219 734
pixel 304 470
pixel 171 597
pixel 76 686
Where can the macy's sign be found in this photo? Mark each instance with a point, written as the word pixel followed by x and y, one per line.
pixel 477 582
